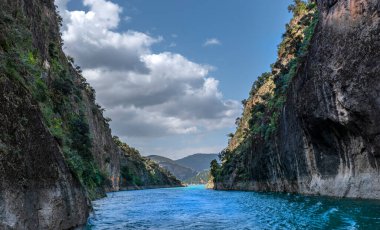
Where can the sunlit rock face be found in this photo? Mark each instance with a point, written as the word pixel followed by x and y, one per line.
pixel 328 138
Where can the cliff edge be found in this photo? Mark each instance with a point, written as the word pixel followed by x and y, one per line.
pixel 56 148
pixel 316 129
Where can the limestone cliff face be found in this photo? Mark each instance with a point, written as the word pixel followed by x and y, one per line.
pixel 37 189
pixel 56 148
pixel 106 153
pixel 328 136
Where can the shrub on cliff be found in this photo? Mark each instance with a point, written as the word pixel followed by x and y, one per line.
pixel 265 103
pixel 214 168
pixel 57 88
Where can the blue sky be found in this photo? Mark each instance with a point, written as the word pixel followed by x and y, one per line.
pixel 184 65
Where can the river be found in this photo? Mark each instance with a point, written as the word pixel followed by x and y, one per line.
pixel 195 207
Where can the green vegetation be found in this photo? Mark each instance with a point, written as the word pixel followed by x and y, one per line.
pixel 214 169
pixel 263 115
pixel 130 151
pixel 129 177
pixel 201 178
pixel 141 171
pixel 57 88
pixel 259 83
pixel 263 123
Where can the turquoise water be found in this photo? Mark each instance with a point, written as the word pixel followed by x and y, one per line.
pixel 195 207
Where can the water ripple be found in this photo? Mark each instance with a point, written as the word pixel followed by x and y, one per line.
pixel 197 208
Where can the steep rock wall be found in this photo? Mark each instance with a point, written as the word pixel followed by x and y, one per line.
pixel 106 153
pixel 56 148
pixel 37 189
pixel 327 141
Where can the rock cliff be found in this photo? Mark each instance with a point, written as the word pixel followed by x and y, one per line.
pixel 37 189
pixel 137 172
pixel 56 148
pixel 324 137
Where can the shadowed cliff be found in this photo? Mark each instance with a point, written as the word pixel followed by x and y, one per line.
pixel 56 148
pixel 312 124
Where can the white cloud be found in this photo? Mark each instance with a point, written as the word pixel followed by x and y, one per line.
pixel 146 94
pixel 90 39
pixel 212 42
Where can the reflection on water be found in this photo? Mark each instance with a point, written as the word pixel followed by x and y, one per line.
pixel 195 207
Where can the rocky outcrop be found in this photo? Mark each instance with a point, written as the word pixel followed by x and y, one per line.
pixel 140 173
pixel 137 172
pixel 328 136
pixel 56 147
pixel 106 153
pixel 37 189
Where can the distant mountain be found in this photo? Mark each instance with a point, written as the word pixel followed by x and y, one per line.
pixel 181 172
pixel 200 178
pixel 193 169
pixel 198 162
pixel 159 159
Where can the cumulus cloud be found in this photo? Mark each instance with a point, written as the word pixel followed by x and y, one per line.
pixel 90 39
pixel 212 42
pixel 146 94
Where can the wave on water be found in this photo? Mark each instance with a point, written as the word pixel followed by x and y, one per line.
pixel 194 207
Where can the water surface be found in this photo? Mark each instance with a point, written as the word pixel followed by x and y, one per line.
pixel 195 207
